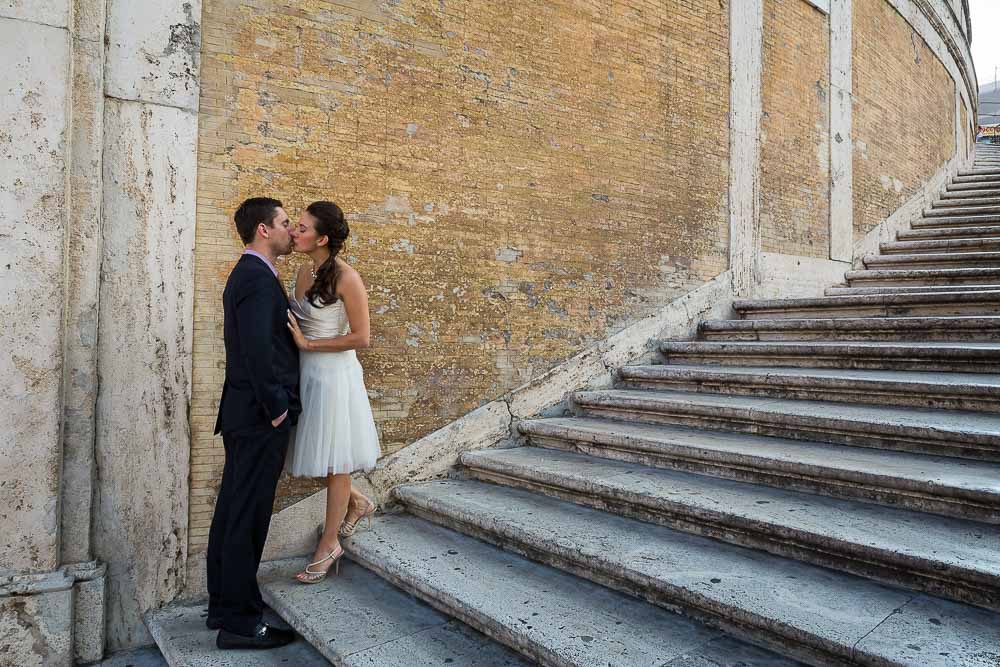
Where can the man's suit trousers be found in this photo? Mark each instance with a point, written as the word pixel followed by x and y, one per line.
pixel 254 461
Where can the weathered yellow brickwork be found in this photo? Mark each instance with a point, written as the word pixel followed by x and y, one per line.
pixel 904 113
pixel 522 179
pixel 795 151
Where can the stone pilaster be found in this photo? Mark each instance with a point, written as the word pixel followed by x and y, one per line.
pixel 146 306
pixel 35 596
pixel 745 109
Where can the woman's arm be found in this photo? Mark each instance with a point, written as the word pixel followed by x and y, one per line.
pixel 351 290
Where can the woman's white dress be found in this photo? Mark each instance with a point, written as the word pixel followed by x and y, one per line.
pixel 336 432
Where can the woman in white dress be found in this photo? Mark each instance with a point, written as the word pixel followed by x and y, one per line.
pixel 336 433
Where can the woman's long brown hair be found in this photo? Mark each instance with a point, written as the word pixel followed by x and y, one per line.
pixel 330 223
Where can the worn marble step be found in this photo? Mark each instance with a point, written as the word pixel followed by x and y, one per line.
pixel 962 191
pixel 946 220
pixel 959 560
pixel 930 328
pixel 876 355
pixel 892 277
pixel 948 487
pixel 358 619
pixel 946 211
pixel 180 633
pixel 948 233
pixel 976 178
pixel 940 245
pixel 984 185
pixel 966 202
pixel 549 616
pixel 933 260
pixel 807 612
pixel 971 435
pixel 840 290
pixel 873 305
pixel 953 391
pixel 977 172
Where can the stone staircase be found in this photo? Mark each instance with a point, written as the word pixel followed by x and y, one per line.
pixel 815 481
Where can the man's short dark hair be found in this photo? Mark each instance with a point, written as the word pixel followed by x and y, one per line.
pixel 251 213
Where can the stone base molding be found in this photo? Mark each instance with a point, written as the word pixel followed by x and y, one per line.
pixel 53 618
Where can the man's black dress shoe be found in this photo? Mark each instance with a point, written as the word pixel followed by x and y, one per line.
pixel 213 623
pixel 264 636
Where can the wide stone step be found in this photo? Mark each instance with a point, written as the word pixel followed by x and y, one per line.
pixel 959 560
pixel 549 616
pixel 356 618
pixel 965 202
pixel 933 260
pixel 939 245
pixel 955 328
pixel 891 277
pixel 965 193
pixel 910 289
pixel 971 435
pixel 986 185
pixel 876 355
pixel 978 172
pixel 807 612
pixel 966 209
pixel 974 233
pixel 180 633
pixel 976 178
pixel 955 391
pixel 949 487
pixel 945 220
pixel 872 305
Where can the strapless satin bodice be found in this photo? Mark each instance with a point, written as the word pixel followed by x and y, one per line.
pixel 326 322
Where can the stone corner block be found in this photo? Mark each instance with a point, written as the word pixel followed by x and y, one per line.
pixel 36 619
pixel 153 51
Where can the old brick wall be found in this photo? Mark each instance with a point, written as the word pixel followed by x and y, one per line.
pixel 522 180
pixel 904 113
pixel 795 151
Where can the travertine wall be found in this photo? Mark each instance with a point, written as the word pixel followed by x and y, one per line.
pixel 904 113
pixel 795 144
pixel 522 179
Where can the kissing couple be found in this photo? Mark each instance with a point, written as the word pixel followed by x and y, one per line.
pixel 290 359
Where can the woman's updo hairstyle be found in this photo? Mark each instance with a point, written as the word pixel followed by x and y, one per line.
pixel 330 223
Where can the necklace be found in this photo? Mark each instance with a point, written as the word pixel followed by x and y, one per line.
pixel 312 271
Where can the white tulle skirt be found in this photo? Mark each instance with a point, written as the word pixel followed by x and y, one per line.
pixel 336 432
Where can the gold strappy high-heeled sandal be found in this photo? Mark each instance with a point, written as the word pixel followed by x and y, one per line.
pixel 347 528
pixel 308 576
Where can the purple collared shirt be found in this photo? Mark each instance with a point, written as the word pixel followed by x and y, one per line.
pixel 248 251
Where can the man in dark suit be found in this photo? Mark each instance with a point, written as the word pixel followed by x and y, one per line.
pixel 259 405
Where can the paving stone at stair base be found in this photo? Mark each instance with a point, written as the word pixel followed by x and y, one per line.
pixel 180 632
pixel 356 618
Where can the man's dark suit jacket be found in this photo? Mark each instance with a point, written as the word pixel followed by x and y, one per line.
pixel 262 361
